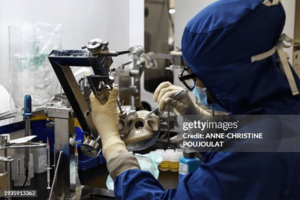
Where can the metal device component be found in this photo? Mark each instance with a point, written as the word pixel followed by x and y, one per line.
pixel 148 60
pixel 83 83
pixel 91 147
pixel 142 131
pixel 122 116
pixel 61 62
pixel 54 195
pixel 7 160
pixel 78 185
pixel 101 86
pixel 65 186
pixel 26 145
pixel 8 171
pixel 141 61
pixel 134 74
pixel 129 72
pixel 4 140
pixel 48 165
pixel 97 46
pixel 122 124
pixel 135 52
pixel 96 193
pixel 176 121
pixel 99 58
pixel 5 144
pixel 156 109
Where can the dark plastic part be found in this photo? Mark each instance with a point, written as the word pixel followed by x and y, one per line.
pixel 27 105
pixel 188 153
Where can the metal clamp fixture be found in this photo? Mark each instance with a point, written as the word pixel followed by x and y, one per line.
pixel 98 47
pixel 101 86
pixel 99 58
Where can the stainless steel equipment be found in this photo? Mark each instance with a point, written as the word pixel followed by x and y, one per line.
pixel 64 154
pixel 6 144
pixel 139 96
pixel 66 184
pixel 99 58
pixel 142 61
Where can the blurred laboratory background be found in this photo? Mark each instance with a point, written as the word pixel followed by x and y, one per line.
pixel 143 41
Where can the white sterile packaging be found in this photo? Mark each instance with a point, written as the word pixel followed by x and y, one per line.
pixel 148 162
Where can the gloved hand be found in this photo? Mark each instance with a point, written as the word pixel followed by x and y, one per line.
pixel 182 103
pixel 105 118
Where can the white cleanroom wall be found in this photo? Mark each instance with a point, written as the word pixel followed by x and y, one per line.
pixel 81 21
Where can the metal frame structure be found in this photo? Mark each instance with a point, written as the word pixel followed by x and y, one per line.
pixel 61 60
pixel 100 59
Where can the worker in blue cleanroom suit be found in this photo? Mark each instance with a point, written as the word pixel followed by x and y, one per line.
pixel 235 48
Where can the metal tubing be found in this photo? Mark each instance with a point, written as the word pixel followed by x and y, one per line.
pixel 27 133
pixel 63 132
pixel 5 155
pixel 8 166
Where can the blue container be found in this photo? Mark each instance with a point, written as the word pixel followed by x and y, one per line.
pixel 12 127
pixel 79 136
pixel 101 159
pixel 85 162
pixel 45 129
pixel 188 164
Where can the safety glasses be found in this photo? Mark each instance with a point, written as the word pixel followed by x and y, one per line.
pixel 188 79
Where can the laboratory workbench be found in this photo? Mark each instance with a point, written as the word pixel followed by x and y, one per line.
pixel 90 179
pixel 93 178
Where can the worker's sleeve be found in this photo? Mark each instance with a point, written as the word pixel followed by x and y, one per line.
pixel 225 176
pixel 138 184
pixel 120 162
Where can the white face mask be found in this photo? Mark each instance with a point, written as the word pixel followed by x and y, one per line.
pixel 201 95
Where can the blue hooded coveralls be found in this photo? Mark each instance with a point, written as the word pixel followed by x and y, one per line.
pixel 217 44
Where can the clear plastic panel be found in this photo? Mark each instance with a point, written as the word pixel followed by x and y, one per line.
pixel 30 70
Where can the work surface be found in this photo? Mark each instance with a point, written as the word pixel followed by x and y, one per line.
pixel 95 177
